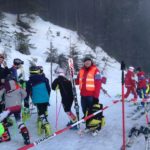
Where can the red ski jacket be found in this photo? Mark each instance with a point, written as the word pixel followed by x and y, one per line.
pixel 141 79
pixel 130 79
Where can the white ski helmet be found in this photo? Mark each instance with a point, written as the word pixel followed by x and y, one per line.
pixel 131 68
pixel 60 71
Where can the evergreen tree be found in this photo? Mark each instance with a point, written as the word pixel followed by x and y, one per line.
pixel 74 54
pixel 62 61
pixel 22 43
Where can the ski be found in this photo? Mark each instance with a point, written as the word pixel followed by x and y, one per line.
pixel 147 143
pixel 133 133
pixel 135 111
pixel 71 69
pixel 146 110
pixel 41 140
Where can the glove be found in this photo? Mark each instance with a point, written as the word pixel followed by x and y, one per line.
pixel 103 80
pixel 95 100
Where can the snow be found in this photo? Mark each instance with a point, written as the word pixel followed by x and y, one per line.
pixel 110 137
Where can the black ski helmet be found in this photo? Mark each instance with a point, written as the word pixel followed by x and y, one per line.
pixel 18 61
pixel 35 70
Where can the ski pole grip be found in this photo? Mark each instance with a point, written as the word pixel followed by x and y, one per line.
pixel 123 65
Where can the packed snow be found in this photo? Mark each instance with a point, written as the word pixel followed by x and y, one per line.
pixel 110 137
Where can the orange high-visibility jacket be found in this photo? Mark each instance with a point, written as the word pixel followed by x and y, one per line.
pixel 88 82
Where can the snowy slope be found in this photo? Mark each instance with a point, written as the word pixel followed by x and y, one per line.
pixel 110 137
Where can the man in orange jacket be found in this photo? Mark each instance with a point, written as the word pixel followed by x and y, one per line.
pixel 89 80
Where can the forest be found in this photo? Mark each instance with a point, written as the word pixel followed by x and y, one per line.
pixel 120 27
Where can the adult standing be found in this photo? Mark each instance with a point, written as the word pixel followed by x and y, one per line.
pixel 89 80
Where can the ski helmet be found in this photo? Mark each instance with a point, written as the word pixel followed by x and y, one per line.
pixel 60 71
pixel 131 68
pixel 18 62
pixel 35 70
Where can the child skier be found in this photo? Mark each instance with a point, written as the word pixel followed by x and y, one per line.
pixel 39 89
pixel 13 100
pixel 141 87
pixel 130 84
pixel 65 87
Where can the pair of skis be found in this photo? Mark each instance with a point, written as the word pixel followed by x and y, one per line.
pixel 136 132
pixel 71 69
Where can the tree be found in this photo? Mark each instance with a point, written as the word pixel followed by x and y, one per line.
pixel 52 57
pixel 22 43
pixel 74 54
pixel 62 61
pixel 3 27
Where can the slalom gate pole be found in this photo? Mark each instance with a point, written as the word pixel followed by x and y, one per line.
pixel 41 140
pixel 123 108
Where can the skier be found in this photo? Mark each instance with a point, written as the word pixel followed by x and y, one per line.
pixel 65 88
pixel 13 100
pixel 89 80
pixel 39 89
pixel 130 84
pixel 4 72
pixel 141 87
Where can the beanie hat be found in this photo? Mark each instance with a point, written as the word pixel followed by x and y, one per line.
pixel 86 58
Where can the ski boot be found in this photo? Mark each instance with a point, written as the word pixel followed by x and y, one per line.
pixel 25 114
pixel 25 135
pixel 5 136
pixel 45 125
pixel 103 121
pixel 95 132
pixel 70 123
pixel 47 129
pixel 39 127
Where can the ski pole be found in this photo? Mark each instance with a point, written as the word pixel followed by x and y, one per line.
pixel 41 140
pixel 105 92
pixel 58 116
pixel 56 110
pixel 123 108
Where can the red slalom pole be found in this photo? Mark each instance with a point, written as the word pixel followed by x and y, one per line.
pixel 123 109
